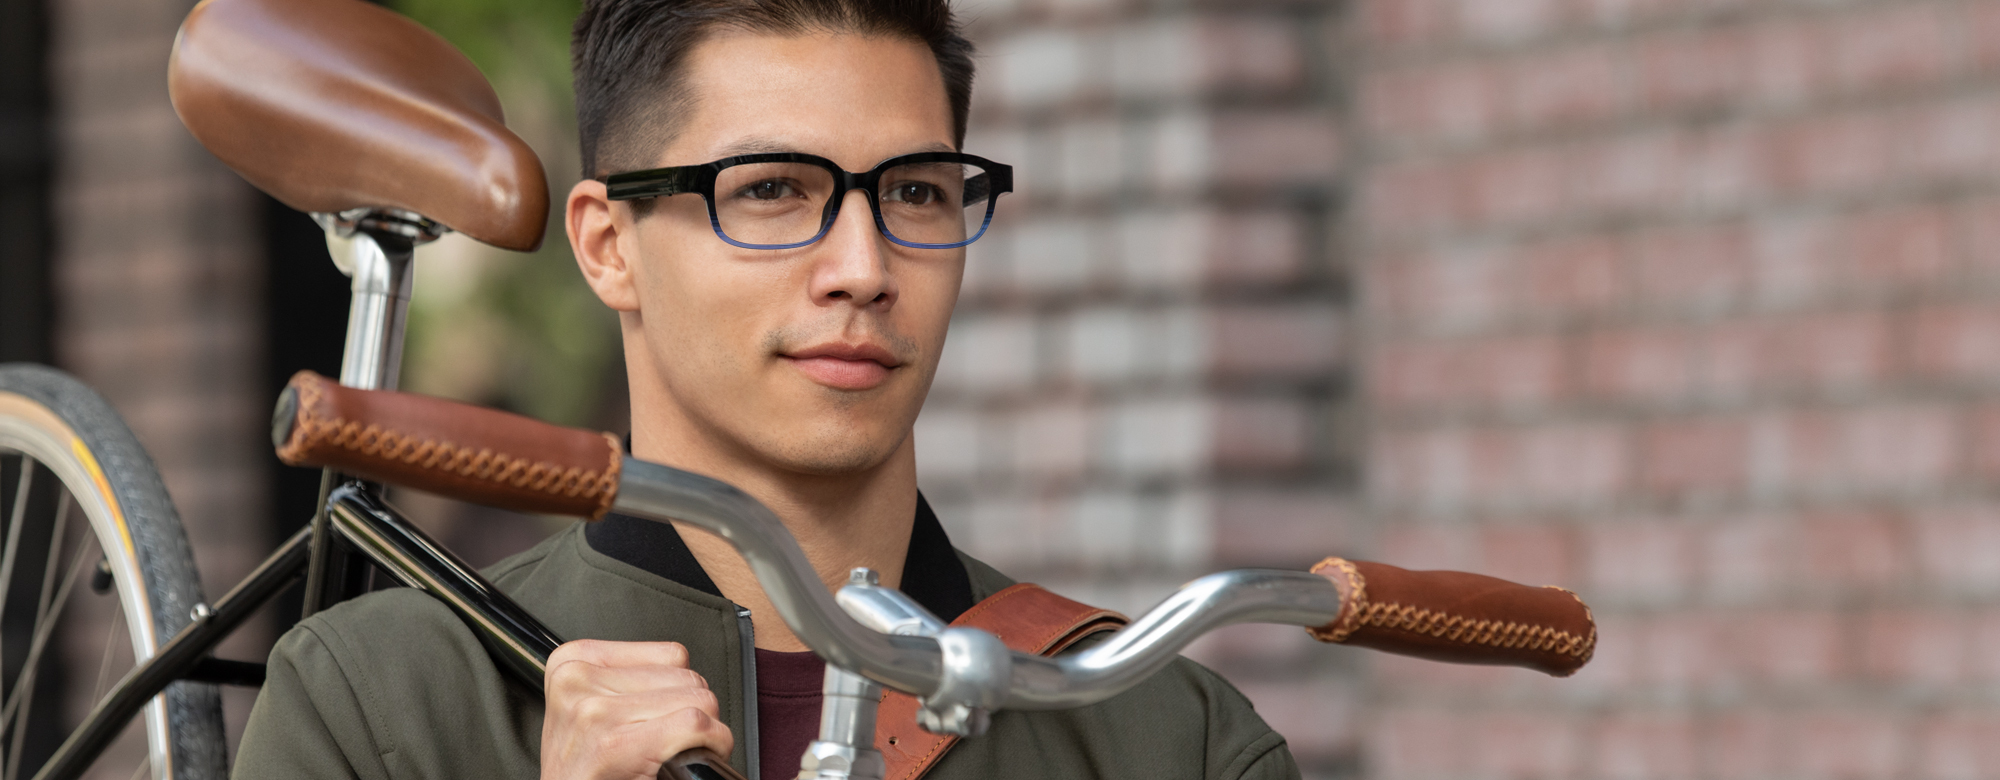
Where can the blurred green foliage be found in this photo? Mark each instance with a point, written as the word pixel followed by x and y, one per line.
pixel 517 331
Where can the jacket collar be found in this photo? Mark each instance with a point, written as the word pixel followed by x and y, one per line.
pixel 932 572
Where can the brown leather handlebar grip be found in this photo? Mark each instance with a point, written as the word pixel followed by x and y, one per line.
pixel 466 452
pixel 1458 617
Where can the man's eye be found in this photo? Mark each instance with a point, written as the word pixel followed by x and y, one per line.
pixel 769 190
pixel 914 193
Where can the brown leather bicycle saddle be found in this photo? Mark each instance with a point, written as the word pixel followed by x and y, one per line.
pixel 330 105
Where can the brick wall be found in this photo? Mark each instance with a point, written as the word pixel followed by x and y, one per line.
pixel 1148 374
pixel 1691 306
pixel 158 275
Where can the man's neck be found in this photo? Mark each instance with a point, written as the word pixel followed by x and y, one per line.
pixel 844 521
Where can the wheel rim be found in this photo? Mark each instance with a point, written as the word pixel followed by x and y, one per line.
pixel 29 432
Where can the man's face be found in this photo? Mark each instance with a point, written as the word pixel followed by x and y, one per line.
pixel 815 359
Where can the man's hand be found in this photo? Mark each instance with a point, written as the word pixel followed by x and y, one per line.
pixel 621 709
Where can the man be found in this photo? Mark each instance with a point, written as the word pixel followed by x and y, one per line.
pixel 767 346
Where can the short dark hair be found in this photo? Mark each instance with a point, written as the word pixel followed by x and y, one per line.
pixel 628 56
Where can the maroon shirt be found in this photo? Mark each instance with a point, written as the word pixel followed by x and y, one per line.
pixel 788 696
pixel 788 684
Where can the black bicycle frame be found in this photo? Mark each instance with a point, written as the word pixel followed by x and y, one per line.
pixel 373 532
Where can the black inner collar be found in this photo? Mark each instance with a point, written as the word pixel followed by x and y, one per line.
pixel 932 573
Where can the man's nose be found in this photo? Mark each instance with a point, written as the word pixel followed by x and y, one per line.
pixel 851 262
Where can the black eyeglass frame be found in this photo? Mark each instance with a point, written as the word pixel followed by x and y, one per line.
pixel 679 180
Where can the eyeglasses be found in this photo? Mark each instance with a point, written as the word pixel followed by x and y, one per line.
pixel 928 200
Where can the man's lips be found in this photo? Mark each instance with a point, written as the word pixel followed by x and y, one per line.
pixel 844 366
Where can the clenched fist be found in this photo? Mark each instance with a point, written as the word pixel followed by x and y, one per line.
pixel 621 709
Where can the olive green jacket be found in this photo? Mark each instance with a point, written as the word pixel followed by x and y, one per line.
pixel 393 685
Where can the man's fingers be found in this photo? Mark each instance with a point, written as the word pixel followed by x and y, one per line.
pixel 663 738
pixel 579 678
pixel 604 653
pixel 616 711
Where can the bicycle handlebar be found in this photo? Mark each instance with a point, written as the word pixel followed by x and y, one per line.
pixel 492 457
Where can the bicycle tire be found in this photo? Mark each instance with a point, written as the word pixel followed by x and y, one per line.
pixel 73 434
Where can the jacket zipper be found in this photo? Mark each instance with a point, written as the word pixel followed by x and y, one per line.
pixel 747 633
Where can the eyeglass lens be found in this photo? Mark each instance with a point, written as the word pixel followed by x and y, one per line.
pixel 776 203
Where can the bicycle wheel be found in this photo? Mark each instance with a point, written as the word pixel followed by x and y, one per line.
pixel 95 575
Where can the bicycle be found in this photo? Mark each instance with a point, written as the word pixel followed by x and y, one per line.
pixel 390 136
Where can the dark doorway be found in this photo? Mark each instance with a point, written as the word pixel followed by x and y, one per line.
pixel 26 294
pixel 305 322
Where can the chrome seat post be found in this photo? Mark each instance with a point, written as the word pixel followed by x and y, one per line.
pixel 374 248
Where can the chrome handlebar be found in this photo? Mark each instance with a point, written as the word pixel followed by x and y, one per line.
pixel 960 672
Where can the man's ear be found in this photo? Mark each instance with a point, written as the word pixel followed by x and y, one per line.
pixel 595 229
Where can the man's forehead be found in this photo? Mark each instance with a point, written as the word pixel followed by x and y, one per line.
pixel 758 144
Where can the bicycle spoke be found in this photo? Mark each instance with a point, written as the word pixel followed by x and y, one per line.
pixel 15 515
pixel 45 617
pixel 104 661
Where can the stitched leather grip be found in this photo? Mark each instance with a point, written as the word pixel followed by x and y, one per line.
pixel 467 452
pixel 1458 617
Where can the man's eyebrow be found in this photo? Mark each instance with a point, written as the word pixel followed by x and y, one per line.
pixel 769 146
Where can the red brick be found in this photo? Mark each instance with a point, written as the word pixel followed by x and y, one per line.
pixel 1979 231
pixel 1527 371
pixel 1982 30
pixel 1947 142
pixel 1856 744
pixel 1733 358
pixel 1429 546
pixel 1956 342
pixel 1257 151
pixel 1570 277
pixel 1983 626
pixel 1680 70
pixel 1435 103
pixel 1750 559
pixel 1898 248
pixel 1576 464
pixel 1515 187
pixel 1793 260
pixel 1433 468
pixel 1870 450
pixel 1957 745
pixel 1833 154
pixel 1262 435
pixel 1915 647
pixel 1288 528
pixel 1745 744
pixel 1566 87
pixel 1420 743
pixel 1890 46
pixel 1695 268
pixel 1985 435
pixel 1833 351
pixel 1510 22
pixel 1686 653
pixel 1642 560
pixel 1415 375
pixel 1852 550
pixel 1656 746
pixel 1791 647
pixel 1957 550
pixel 1392 23
pixel 1691 458
pixel 1785 62
pixel 1541 746
pixel 1402 199
pixel 1537 554
pixel 1633 173
pixel 1280 341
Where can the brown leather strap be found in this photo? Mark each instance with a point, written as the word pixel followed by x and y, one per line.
pixel 467 452
pixel 1025 617
pixel 1458 617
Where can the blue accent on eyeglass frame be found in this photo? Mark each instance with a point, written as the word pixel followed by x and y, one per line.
pixel 663 182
